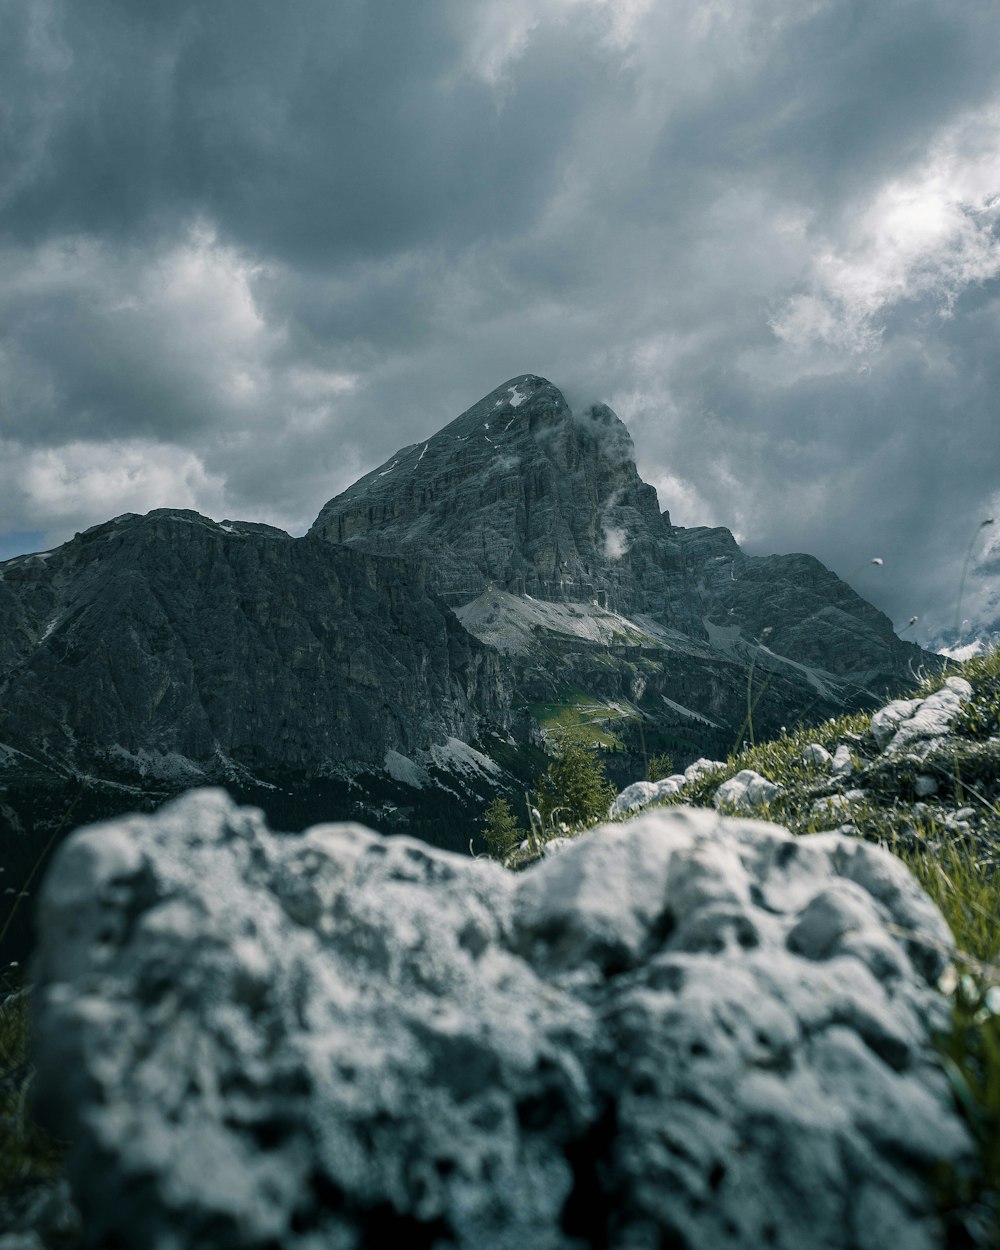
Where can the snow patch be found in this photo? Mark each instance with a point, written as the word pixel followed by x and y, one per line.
pixel 404 770
pixel 723 637
pixel 815 677
pixel 686 711
pixel 161 765
pixel 511 623
pixel 7 754
pixel 423 452
pixel 454 755
pixel 516 398
pixel 386 472
pixel 729 640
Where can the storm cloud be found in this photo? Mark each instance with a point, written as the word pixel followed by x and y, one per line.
pixel 248 250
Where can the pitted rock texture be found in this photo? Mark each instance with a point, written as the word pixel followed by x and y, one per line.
pixel 641 793
pixel 684 1031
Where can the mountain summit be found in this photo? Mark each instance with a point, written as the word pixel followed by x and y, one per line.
pixel 403 661
pixel 523 496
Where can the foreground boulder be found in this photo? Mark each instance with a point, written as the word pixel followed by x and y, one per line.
pixel 684 1031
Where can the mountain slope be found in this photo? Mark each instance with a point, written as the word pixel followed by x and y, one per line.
pixel 520 493
pixel 510 575
pixel 522 498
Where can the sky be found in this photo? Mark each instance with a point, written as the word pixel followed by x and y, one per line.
pixel 248 250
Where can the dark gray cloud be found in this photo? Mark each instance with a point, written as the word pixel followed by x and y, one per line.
pixel 248 250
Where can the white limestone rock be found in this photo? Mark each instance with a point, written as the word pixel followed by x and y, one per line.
pixel 905 722
pixel 816 753
pixel 748 791
pixel 842 765
pixel 700 767
pixel 641 793
pixel 685 1030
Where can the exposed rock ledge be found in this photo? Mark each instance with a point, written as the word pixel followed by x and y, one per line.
pixel 686 1030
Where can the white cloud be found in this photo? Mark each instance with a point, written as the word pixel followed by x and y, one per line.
pixel 616 542
pixel 928 235
pixel 61 489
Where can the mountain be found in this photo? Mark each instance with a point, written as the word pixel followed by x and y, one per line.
pixel 400 662
pixel 151 654
pixel 550 548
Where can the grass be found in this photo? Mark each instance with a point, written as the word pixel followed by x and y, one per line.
pixel 27 1154
pixel 951 842
pixel 582 715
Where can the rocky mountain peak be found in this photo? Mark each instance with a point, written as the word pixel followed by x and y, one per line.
pixel 519 492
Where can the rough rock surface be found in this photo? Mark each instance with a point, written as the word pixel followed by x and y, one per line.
pixel 748 791
pixel 842 765
pixel 817 754
pixel 906 722
pixel 522 494
pixel 550 547
pixel 641 793
pixel 683 1031
pixel 167 642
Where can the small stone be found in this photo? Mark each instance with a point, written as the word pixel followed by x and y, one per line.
pixel 700 767
pixel 925 785
pixel 748 791
pixel 908 722
pixel 816 753
pixel 634 797
pixel 842 765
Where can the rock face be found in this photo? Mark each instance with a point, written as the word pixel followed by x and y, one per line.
pixel 685 1030
pixel 521 495
pixel 155 653
pixel 551 549
pixel 169 641
pixel 510 572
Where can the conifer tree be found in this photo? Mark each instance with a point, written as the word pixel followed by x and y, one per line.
pixel 660 766
pixel 574 790
pixel 501 831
